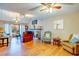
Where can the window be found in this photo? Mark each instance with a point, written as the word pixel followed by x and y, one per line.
pixel 7 28
pixel 22 29
pixel 58 24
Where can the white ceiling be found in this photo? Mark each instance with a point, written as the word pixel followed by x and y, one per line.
pixel 18 7
pixel 24 8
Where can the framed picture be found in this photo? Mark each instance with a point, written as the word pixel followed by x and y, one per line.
pixel 34 22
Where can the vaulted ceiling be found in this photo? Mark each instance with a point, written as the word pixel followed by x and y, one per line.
pixel 32 8
pixel 22 8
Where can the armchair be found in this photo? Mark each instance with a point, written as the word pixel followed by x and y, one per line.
pixel 72 48
pixel 47 37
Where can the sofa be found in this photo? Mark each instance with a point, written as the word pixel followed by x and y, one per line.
pixel 72 48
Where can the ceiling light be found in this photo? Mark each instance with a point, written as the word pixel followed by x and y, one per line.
pixel 29 15
pixel 17 20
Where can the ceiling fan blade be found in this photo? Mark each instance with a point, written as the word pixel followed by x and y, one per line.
pixel 57 7
pixel 32 9
pixel 46 4
pixel 43 9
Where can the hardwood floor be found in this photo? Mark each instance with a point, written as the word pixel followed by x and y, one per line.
pixel 16 48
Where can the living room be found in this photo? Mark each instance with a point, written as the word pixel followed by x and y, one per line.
pixel 32 30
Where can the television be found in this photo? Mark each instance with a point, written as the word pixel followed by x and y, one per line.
pixel 34 22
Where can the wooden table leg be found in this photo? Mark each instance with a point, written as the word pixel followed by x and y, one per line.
pixel 2 42
pixel 7 42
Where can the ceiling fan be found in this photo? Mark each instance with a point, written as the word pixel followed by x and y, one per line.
pixel 55 6
pixel 50 5
pixel 45 6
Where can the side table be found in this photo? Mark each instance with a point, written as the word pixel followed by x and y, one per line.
pixel 56 41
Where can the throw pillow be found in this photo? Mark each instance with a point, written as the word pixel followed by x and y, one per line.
pixel 74 40
pixel 77 36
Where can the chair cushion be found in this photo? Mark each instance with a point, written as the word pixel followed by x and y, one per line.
pixel 47 36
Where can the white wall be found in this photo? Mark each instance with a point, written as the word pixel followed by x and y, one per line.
pixel 71 24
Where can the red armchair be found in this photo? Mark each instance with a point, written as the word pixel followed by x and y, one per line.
pixel 28 36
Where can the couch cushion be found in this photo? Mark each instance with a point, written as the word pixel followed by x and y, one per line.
pixel 68 44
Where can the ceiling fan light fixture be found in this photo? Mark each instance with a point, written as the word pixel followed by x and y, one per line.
pixel 46 10
pixel 17 20
pixel 50 10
